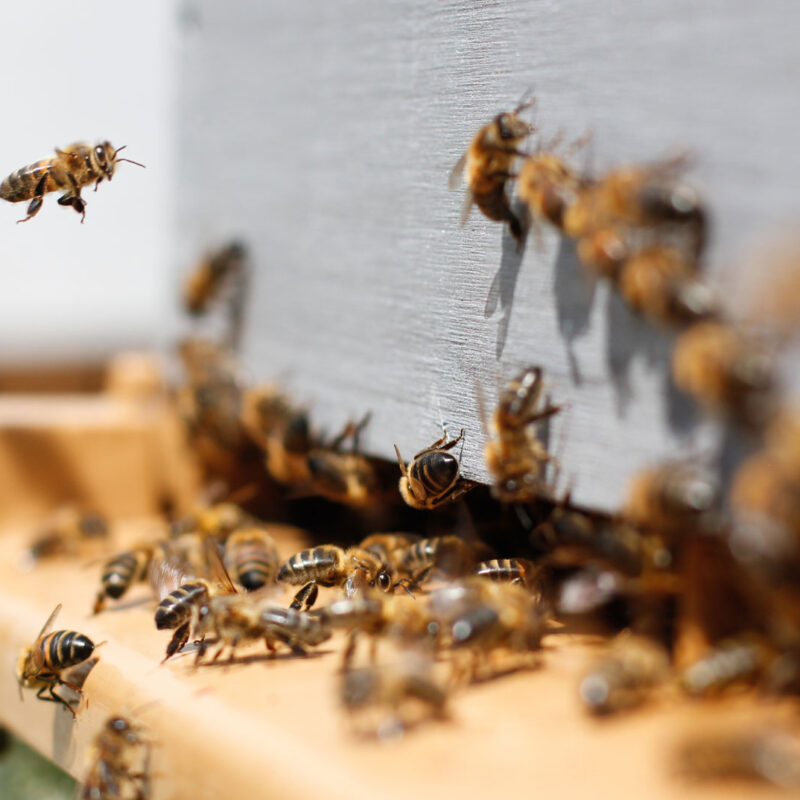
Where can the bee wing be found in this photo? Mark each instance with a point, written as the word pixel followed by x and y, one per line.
pixel 167 574
pixel 466 208
pixel 216 569
pixel 50 621
pixel 457 173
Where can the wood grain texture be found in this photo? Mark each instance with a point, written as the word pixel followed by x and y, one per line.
pixel 324 135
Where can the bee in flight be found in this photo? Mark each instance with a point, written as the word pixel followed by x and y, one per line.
pixel 40 665
pixel 69 171
pixel 487 167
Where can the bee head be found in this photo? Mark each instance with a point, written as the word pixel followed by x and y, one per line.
pixel 105 159
pixel 510 126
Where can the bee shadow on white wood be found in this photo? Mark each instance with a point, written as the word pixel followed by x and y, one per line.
pixel 574 289
pixel 504 283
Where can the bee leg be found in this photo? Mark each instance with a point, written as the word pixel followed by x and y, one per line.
pixel 407 584
pixel 33 209
pixel 308 595
pixel 179 639
pixel 99 603
pixel 54 698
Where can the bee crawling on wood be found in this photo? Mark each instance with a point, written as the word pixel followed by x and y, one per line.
pixel 431 478
pixel 251 557
pixel 121 571
pixel 487 166
pixel 69 171
pixel 65 532
pixel 515 456
pixel 40 665
pixel 120 763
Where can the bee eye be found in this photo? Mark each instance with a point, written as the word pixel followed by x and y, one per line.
pixel 100 153
pixel 384 581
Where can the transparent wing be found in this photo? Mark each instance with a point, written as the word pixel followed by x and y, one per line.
pixel 466 208
pixel 457 173
pixel 50 621
pixel 216 569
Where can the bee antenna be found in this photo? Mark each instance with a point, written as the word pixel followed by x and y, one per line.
pixel 131 161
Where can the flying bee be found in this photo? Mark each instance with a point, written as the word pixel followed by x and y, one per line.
pixel 121 572
pixel 120 763
pixel 238 619
pixel 206 280
pixel 515 456
pixel 487 166
pixel 673 497
pixel 726 371
pixel 639 197
pixel 40 665
pixel 329 565
pixel 513 570
pixel 659 283
pixel 448 555
pixel 72 168
pixel 431 478
pixel 624 676
pixel 251 557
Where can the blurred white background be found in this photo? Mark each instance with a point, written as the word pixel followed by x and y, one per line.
pixel 88 71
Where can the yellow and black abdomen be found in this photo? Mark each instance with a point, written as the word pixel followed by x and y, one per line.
pixel 62 649
pixel 176 607
pixel 24 183
pixel 322 564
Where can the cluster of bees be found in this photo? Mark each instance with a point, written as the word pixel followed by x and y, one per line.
pixel 693 582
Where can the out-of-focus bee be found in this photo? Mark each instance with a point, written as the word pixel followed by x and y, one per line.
pixel 251 557
pixel 487 166
pixel 330 565
pixel 624 677
pixel 237 619
pixel 659 283
pixel 40 665
pixel 283 432
pixel 399 618
pixel 387 699
pixel 548 186
pixel 389 548
pixel 513 570
pixel 69 171
pixel 639 197
pixel 673 497
pixel 121 572
pixel 767 756
pixel 724 370
pixel 64 531
pixel 733 662
pixel 431 478
pixel 515 456
pixel 204 283
pixel 449 555
pixel 120 763
pixel 481 617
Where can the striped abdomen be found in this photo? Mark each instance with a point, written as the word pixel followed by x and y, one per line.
pixel 123 570
pixel 505 569
pixel 251 557
pixel 62 649
pixel 322 564
pixel 290 625
pixel 433 473
pixel 22 184
pixel 176 607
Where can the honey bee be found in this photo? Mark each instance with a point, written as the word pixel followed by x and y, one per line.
pixel 330 565
pixel 673 497
pixel 448 555
pixel 40 665
pixel 205 281
pixel 238 619
pixel 431 478
pixel 659 283
pixel 389 548
pixel 121 572
pixel 69 171
pixel 724 370
pixel 120 763
pixel 487 166
pixel 515 456
pixel 387 699
pixel 624 677
pixel 513 570
pixel 251 557
pixel 64 531
pixel 639 197
pixel 737 661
